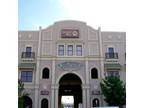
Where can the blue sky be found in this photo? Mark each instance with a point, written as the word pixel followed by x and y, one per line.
pixel 34 13
pixel 108 14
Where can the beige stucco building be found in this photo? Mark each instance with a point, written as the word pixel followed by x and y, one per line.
pixel 69 58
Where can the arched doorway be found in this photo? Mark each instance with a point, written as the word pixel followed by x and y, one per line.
pixel 27 102
pixel 96 102
pixel 70 85
pixel 44 103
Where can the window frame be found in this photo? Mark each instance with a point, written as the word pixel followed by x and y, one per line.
pixel 59 50
pixel 77 50
pixel 113 74
pixel 25 77
pixel 70 50
pixel 97 75
pixel 46 72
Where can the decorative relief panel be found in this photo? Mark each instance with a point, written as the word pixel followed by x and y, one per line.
pixel 69 33
pixel 44 92
pixel 70 66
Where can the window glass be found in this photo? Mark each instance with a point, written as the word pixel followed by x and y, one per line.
pixel 113 73
pixel 44 103
pixel 45 74
pixel 94 73
pixel 111 50
pixel 28 49
pixel 61 50
pixel 79 50
pixel 70 50
pixel 26 76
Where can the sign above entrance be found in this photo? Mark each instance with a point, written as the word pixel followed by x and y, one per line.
pixel 69 33
pixel 70 66
pixel 44 92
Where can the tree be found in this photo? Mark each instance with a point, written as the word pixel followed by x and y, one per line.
pixel 21 94
pixel 114 91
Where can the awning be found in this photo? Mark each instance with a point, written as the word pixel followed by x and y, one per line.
pixel 27 65
pixel 112 66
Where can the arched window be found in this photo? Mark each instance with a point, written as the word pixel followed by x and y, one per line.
pixel 27 102
pixel 94 73
pixel 44 103
pixel 95 102
pixel 45 73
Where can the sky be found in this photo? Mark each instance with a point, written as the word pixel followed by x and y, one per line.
pixel 107 14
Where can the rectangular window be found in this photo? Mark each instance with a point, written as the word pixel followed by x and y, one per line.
pixel 28 52
pixel 61 50
pixel 70 50
pixel 28 49
pixel 111 52
pixel 113 73
pixel 26 76
pixel 79 50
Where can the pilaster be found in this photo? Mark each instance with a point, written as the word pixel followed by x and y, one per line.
pixel 36 99
pixel 102 58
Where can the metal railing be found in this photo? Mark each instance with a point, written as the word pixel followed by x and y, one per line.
pixel 111 55
pixel 28 55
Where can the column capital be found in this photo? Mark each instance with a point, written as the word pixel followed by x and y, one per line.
pixel 86 86
pixel 55 87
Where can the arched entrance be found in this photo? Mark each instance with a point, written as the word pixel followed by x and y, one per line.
pixel 27 102
pixel 70 85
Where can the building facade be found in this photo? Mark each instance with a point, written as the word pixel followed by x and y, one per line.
pixel 69 58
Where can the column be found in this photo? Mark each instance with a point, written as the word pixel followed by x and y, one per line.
pixel 87 84
pixel 88 97
pixel 53 85
pixel 52 98
pixel 84 97
pixel 101 54
pixel 36 101
pixel 87 71
pixel 37 72
pixel 56 96
pixel 101 58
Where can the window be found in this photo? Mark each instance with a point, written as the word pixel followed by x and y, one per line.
pixel 113 73
pixel 111 52
pixel 94 73
pixel 28 51
pixel 45 73
pixel 70 50
pixel 26 76
pixel 79 50
pixel 61 50
pixel 95 102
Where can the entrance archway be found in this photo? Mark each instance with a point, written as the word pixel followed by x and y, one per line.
pixel 70 85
